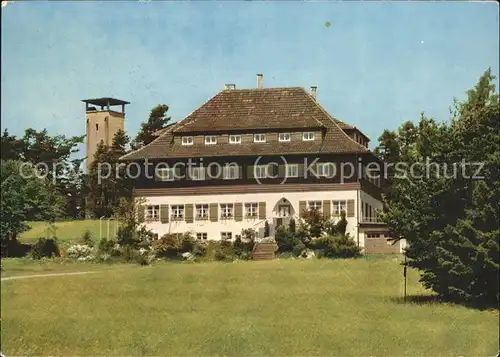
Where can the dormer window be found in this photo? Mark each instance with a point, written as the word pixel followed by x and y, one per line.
pixel 187 140
pixel 259 138
pixel 210 140
pixel 308 136
pixel 284 137
pixel 234 139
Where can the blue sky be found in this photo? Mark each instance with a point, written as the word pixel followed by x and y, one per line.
pixel 377 65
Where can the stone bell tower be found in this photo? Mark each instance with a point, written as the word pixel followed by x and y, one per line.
pixel 102 123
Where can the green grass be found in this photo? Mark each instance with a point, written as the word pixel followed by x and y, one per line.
pixel 275 308
pixel 68 232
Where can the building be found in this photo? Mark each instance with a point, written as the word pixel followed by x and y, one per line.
pixel 101 124
pixel 248 156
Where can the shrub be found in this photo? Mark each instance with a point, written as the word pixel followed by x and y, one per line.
pixel 266 229
pixel 80 252
pixel 172 245
pixel 44 247
pixel 284 239
pixel 242 250
pixel 224 251
pixel 292 225
pixel 108 246
pixel 144 256
pixel 298 247
pixel 87 239
pixel 339 246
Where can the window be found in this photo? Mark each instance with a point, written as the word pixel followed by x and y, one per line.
pixel 292 170
pixel 165 174
pixel 177 212
pixel 325 169
pixel 226 210
pixel 308 136
pixel 338 207
pixel 315 205
pixel 234 139
pixel 230 172
pixel 201 212
pixel 284 137
pixel 197 173
pixel 187 140
pixel 259 138
pixel 260 171
pixel 210 140
pixel 251 209
pixel 226 235
pixel 97 127
pixel 201 236
pixel 372 235
pixel 152 213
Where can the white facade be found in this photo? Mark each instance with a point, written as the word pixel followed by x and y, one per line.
pixel 273 202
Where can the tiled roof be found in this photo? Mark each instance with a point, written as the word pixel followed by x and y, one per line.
pixel 250 110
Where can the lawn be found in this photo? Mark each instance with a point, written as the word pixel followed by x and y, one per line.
pixel 274 308
pixel 69 232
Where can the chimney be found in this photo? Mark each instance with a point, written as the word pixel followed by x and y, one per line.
pixel 313 91
pixel 229 86
pixel 260 81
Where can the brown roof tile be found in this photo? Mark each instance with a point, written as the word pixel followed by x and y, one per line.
pixel 246 110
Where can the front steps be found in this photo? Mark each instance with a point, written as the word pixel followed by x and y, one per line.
pixel 264 251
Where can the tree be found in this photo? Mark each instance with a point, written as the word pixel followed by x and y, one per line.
pixel 24 197
pixel 448 217
pixel 52 157
pixel 157 120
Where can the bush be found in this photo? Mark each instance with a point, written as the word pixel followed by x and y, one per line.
pixel 172 245
pixel 339 246
pixel 243 250
pixel 87 239
pixel 144 256
pixel 108 246
pixel 298 247
pixel 44 247
pixel 224 251
pixel 284 239
pixel 80 252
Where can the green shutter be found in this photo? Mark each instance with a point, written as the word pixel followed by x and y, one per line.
pixel 250 174
pixel 140 213
pixel 164 213
pixel 302 208
pixel 262 210
pixel 188 213
pixel 213 212
pixel 350 208
pixel 301 170
pixel 327 209
pixel 238 211
pixel 282 170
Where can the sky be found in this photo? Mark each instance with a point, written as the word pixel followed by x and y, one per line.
pixel 376 64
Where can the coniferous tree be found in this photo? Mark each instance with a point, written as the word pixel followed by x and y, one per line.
pixel 448 217
pixel 157 120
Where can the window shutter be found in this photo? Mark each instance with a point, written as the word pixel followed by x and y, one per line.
pixel 262 210
pixel 282 170
pixel 302 208
pixel 164 213
pixel 213 212
pixel 350 208
pixel 188 214
pixel 327 210
pixel 301 170
pixel 250 174
pixel 140 213
pixel 238 211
